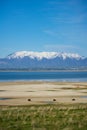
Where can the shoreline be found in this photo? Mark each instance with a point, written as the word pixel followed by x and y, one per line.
pixel 68 80
pixel 43 70
pixel 39 81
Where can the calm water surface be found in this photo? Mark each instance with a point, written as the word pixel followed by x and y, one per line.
pixel 44 76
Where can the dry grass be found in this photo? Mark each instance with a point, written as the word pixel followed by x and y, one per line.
pixel 44 117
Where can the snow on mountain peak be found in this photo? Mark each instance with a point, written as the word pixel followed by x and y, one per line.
pixel 31 54
pixel 41 55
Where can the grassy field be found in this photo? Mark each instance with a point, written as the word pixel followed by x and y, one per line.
pixel 44 117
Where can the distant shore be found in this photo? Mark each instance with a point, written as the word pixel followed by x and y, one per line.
pixel 43 70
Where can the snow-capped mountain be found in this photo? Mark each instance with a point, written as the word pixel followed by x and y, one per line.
pixel 41 55
pixel 43 60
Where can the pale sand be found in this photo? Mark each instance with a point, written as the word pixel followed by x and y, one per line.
pixel 18 93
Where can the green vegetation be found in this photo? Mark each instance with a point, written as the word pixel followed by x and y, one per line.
pixel 44 117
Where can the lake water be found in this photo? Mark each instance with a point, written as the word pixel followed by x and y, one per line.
pixel 43 76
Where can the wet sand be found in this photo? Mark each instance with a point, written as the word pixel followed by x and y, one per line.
pixel 18 93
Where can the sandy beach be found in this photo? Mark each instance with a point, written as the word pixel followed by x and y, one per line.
pixel 19 93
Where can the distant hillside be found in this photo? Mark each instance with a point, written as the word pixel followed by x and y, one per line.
pixel 43 60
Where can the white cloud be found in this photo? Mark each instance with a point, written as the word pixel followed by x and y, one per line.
pixel 61 48
pixel 68 11
pixel 70 19
pixel 49 32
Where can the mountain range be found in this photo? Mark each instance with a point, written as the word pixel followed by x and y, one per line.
pixel 43 60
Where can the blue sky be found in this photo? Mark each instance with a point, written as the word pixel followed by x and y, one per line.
pixel 43 25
